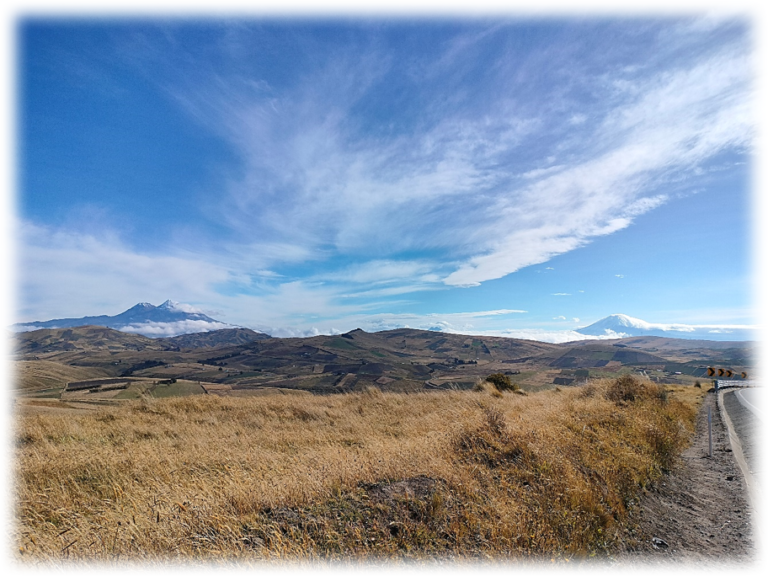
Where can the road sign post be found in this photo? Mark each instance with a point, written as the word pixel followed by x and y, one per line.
pixel 709 428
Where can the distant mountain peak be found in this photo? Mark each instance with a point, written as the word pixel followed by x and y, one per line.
pixel 169 319
pixel 626 321
pixel 623 326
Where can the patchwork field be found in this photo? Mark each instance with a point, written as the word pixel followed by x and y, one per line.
pixel 402 360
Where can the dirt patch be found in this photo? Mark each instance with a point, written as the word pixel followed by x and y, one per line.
pixel 417 488
pixel 699 511
pixel 33 406
pixel 219 389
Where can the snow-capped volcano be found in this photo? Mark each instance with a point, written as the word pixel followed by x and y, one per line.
pixel 623 326
pixel 169 319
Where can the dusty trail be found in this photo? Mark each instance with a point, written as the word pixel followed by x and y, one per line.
pixel 700 510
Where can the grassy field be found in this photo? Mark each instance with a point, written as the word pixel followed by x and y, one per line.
pixel 40 374
pixel 475 474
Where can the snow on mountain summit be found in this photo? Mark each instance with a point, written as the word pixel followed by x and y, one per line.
pixel 178 307
pixel 623 326
pixel 624 323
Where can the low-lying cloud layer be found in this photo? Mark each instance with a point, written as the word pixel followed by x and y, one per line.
pixel 167 329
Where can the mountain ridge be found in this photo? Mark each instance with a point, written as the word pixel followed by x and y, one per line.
pixel 102 338
pixel 405 359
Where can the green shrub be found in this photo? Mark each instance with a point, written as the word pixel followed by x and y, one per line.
pixel 502 382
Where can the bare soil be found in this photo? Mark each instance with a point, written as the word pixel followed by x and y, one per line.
pixel 699 512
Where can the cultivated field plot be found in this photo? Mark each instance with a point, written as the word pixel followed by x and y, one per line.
pixel 453 474
pixel 42 374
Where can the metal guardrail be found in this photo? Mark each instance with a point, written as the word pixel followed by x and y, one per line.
pixel 721 384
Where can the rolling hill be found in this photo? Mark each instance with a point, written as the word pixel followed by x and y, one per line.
pixel 43 374
pixel 241 361
pixel 214 338
pixel 95 339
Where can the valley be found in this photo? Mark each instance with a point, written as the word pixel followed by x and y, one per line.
pixel 75 364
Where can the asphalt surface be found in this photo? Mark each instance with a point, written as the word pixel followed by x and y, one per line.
pixel 754 399
pixel 749 439
pixel 752 434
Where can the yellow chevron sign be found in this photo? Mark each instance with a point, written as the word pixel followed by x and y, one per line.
pixel 710 371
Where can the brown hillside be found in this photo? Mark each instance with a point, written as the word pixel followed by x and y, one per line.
pixel 38 374
pixel 214 338
pixel 81 339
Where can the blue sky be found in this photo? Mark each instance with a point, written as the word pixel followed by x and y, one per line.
pixel 514 176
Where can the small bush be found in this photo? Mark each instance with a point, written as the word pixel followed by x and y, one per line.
pixel 502 382
pixel 697 385
pixel 491 444
pixel 627 388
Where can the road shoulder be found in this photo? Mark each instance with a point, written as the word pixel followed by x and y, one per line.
pixel 700 510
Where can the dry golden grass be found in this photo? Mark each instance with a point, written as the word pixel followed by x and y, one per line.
pixel 364 475
pixel 37 374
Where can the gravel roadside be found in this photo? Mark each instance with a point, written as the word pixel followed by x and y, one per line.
pixel 699 513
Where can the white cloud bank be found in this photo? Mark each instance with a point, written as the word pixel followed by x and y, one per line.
pixel 167 329
pixel 68 274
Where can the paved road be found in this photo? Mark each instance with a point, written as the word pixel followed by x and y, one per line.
pixel 755 400
pixel 745 411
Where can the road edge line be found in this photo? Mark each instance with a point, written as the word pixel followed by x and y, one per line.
pixel 755 410
pixel 754 494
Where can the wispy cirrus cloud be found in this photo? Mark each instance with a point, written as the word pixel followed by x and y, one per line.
pixel 317 177
pixel 670 122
